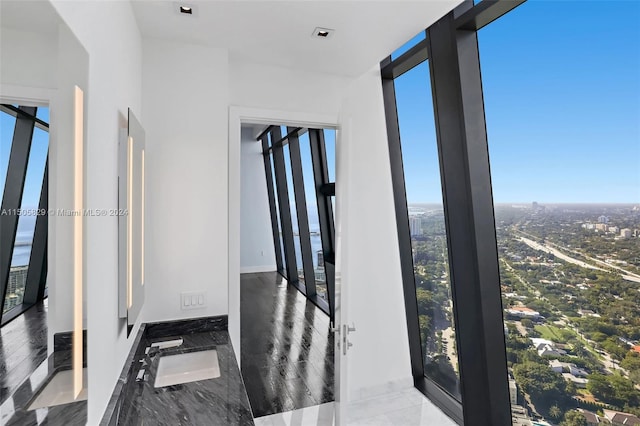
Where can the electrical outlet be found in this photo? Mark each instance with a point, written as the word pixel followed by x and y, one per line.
pixel 192 300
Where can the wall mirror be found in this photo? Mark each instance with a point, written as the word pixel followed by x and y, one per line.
pixel 131 221
pixel 43 90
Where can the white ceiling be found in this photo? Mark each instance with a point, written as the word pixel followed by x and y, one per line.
pixel 37 16
pixel 279 32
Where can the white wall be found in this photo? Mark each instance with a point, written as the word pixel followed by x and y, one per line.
pixel 28 59
pixel 257 253
pixel 185 104
pixel 109 33
pixel 283 89
pixel 370 262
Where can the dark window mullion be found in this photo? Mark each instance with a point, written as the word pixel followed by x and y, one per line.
pixel 321 175
pixel 402 221
pixel 285 209
pixel 462 146
pixel 35 283
pixel 272 202
pixel 325 211
pixel 13 190
pixel 301 210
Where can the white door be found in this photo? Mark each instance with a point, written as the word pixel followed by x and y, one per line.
pixel 341 335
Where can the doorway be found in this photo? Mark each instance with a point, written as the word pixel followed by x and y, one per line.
pixel 287 293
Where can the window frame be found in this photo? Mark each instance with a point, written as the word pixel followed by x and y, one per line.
pixel 323 192
pixel 35 283
pixel 452 50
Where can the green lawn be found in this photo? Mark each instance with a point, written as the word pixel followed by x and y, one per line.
pixel 556 334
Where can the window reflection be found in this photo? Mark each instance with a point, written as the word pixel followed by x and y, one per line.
pixel 37 160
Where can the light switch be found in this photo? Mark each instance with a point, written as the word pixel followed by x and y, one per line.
pixel 192 300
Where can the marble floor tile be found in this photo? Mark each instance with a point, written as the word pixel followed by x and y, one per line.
pixel 383 404
pixel 419 415
pixel 379 411
pixel 23 346
pixel 317 415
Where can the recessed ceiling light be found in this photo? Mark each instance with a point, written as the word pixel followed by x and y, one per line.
pixel 183 8
pixel 320 32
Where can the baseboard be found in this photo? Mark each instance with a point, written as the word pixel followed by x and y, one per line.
pixel 256 269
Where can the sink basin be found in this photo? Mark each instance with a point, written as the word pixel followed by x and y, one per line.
pixel 59 390
pixel 188 367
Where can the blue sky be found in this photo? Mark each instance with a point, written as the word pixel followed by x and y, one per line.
pixel 561 84
pixel 37 157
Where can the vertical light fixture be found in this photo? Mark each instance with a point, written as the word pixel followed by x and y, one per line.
pixel 78 203
pixel 129 222
pixel 142 224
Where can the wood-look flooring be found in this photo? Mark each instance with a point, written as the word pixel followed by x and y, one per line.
pixel 286 346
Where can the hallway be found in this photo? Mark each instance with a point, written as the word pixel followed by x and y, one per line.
pixel 286 346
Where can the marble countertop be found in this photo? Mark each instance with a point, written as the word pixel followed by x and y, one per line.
pixel 13 412
pixel 219 401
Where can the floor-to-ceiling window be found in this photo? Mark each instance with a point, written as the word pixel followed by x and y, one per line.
pixel 540 258
pixel 24 137
pixel 294 215
pixel 562 110
pixel 301 166
pixel 313 216
pixel 427 227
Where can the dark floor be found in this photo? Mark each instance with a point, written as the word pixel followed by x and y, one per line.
pixel 286 346
pixel 23 346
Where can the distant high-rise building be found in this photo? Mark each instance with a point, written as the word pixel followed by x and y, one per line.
pixel 625 233
pixel 602 227
pixel 614 229
pixel 415 226
pixel 537 208
pixel 319 272
pixel 17 279
pixel 15 287
pixel 513 392
pixel 603 219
